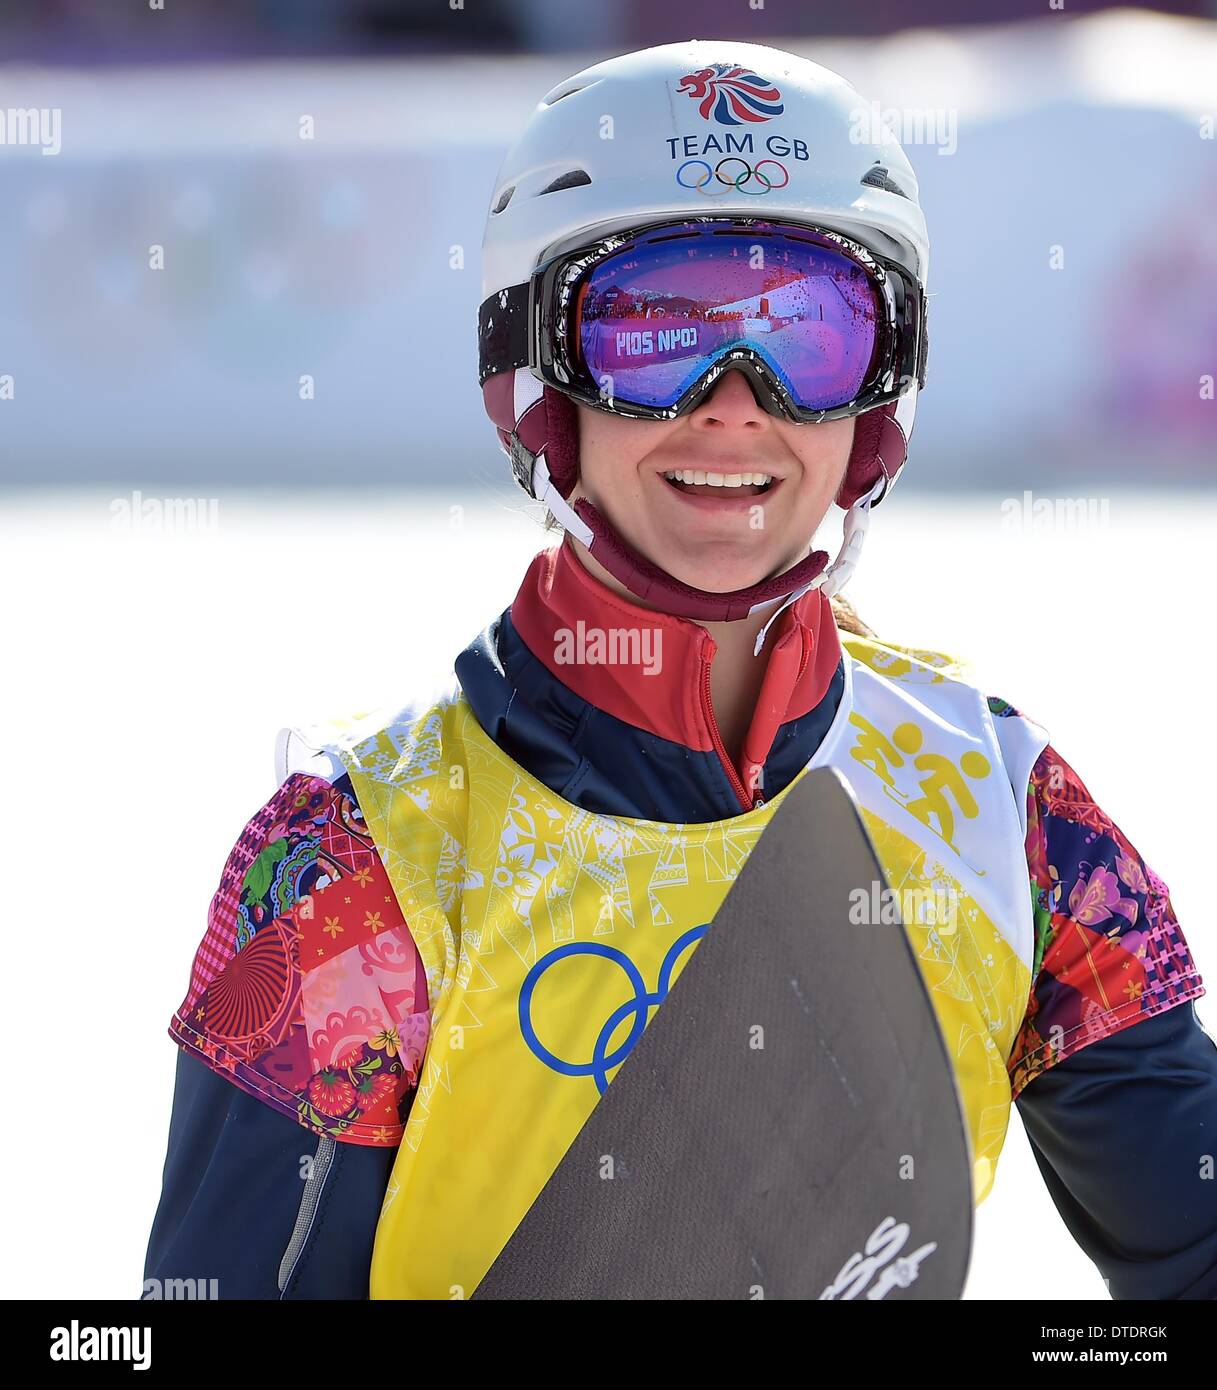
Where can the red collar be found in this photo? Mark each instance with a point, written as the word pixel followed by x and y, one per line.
pixel 567 618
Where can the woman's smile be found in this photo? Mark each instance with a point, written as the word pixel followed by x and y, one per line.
pixel 718 491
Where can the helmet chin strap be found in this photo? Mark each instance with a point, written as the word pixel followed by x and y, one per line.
pixel 647 581
pixel 838 574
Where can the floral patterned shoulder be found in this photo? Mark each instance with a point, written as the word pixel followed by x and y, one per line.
pixel 1109 950
pixel 307 990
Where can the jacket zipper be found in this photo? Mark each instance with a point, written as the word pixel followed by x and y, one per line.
pixel 717 738
pixel 313 1184
pixel 720 748
pixel 806 657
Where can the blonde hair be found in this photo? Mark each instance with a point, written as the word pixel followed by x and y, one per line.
pixel 843 611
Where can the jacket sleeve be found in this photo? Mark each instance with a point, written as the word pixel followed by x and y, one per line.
pixel 1124 1135
pixel 1115 1080
pixel 301 1035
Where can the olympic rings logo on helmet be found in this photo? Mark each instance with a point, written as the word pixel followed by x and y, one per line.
pixel 739 182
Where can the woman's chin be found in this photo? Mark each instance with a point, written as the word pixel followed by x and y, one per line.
pixel 719 567
pixel 720 578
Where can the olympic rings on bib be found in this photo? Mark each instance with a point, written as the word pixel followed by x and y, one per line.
pixel 636 1007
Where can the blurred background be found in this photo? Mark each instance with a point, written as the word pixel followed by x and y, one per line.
pixel 191 555
pixel 333 256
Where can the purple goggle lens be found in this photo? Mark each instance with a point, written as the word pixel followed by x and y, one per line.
pixel 654 316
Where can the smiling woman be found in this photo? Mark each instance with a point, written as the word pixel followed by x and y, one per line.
pixel 688 387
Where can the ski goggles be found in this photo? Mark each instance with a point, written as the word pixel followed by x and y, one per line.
pixel 642 323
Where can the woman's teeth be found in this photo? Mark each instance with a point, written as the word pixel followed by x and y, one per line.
pixel 700 476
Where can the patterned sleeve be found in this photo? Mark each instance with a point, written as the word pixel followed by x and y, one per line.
pixel 1108 948
pixel 307 990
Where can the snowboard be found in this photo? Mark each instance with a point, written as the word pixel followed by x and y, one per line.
pixel 788 1125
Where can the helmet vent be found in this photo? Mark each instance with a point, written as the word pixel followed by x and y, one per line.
pixel 573 178
pixel 554 97
pixel 504 199
pixel 878 177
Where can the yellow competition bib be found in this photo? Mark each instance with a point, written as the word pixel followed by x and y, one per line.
pixel 550 934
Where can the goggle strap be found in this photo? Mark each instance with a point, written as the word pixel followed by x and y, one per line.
pixel 503 332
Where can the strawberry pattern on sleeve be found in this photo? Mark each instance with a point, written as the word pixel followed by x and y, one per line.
pixel 307 990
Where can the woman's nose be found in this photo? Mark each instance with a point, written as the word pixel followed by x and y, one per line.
pixel 731 401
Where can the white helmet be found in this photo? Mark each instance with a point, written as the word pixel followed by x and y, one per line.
pixel 643 137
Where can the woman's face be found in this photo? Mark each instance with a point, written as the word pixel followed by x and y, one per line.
pixel 716 538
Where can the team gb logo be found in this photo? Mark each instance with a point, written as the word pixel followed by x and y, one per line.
pixel 731 95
